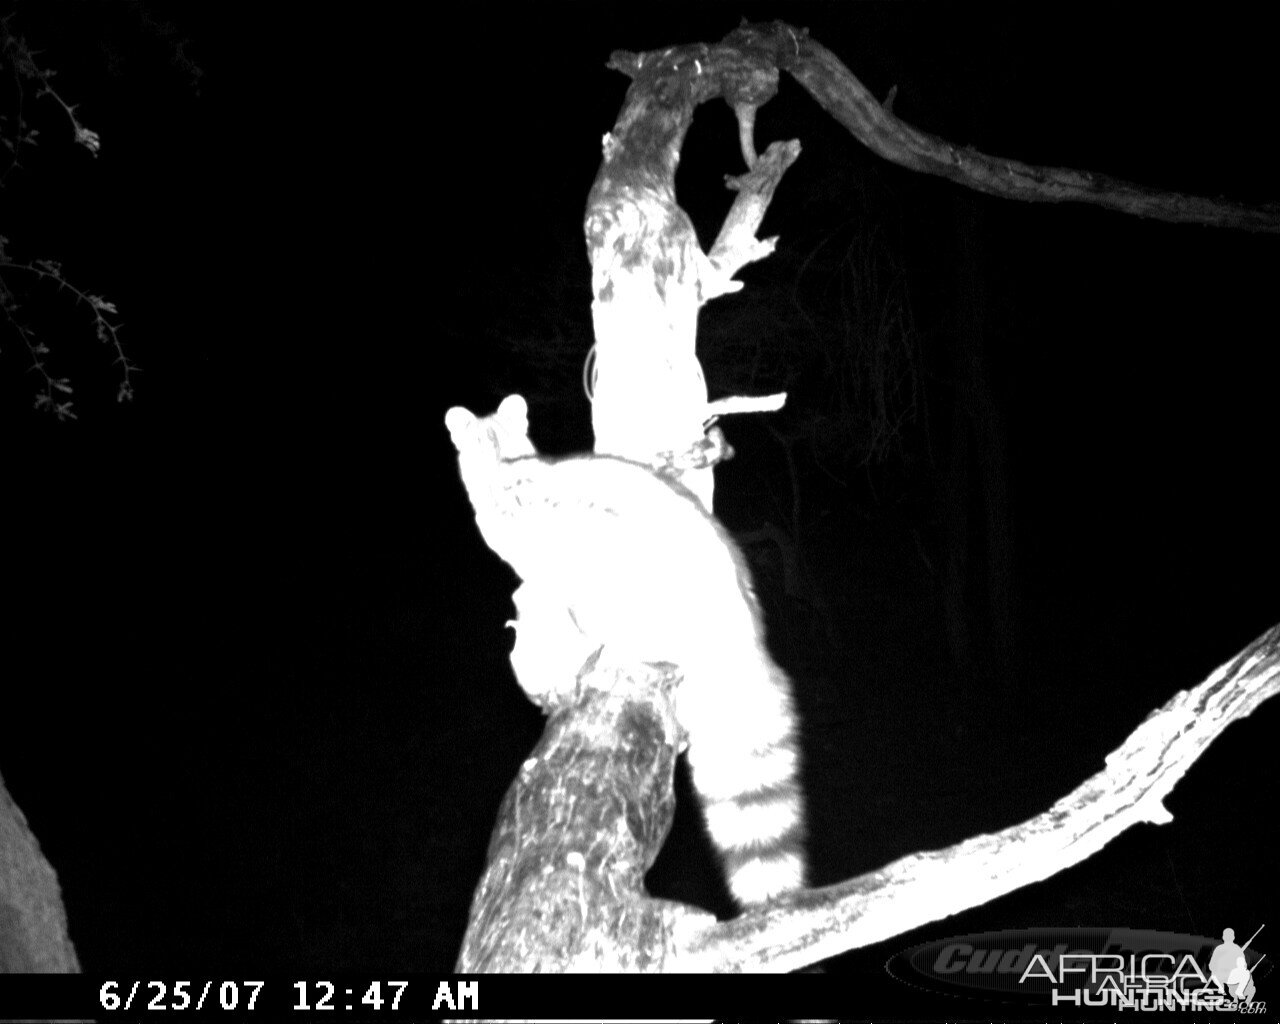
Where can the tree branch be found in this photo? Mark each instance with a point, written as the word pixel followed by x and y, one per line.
pixel 846 99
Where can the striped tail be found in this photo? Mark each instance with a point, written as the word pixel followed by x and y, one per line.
pixel 746 769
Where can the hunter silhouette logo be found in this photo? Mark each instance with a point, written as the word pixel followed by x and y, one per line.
pixel 1229 969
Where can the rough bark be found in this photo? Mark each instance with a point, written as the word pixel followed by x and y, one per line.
pixel 33 921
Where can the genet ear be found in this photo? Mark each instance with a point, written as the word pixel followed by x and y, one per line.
pixel 513 411
pixel 460 422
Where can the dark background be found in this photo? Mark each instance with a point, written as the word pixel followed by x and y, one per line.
pixel 257 706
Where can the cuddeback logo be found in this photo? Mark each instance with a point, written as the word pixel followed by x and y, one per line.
pixel 1121 968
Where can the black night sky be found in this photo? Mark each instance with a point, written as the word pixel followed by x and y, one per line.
pixel 256 703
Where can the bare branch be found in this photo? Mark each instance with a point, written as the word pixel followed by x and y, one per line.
pixel 847 100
